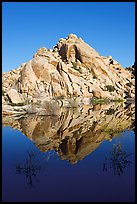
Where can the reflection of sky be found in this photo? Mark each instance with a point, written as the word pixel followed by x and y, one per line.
pixel 58 180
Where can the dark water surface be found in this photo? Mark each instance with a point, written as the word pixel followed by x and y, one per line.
pixel 85 154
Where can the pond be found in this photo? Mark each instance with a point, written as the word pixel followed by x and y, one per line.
pixel 84 154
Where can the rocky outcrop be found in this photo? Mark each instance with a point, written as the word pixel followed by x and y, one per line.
pixel 72 69
pixel 75 133
pixel 131 69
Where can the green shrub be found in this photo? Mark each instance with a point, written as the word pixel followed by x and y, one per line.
pixel 129 84
pixel 18 104
pixel 74 65
pixel 110 111
pixel 95 101
pixel 94 77
pixel 79 69
pixel 110 88
pixel 117 100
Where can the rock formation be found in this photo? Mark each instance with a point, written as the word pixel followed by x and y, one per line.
pixel 72 69
pixel 131 69
pixel 75 133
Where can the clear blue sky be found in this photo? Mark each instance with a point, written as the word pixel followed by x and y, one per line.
pixel 109 27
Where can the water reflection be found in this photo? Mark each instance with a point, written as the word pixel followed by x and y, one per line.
pixel 77 132
pixel 30 168
pixel 33 165
pixel 117 160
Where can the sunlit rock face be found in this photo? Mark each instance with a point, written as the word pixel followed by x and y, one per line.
pixel 77 132
pixel 71 69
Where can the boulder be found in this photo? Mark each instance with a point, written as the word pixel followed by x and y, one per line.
pixel 14 96
pixel 96 94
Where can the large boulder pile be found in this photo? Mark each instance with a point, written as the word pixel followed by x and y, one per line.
pixel 72 69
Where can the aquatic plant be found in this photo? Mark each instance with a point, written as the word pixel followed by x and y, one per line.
pixel 117 160
pixel 29 168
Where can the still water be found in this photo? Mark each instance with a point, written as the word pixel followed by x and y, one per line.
pixel 83 154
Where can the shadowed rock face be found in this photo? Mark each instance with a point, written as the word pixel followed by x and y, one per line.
pixel 71 69
pixel 76 132
pixel 131 69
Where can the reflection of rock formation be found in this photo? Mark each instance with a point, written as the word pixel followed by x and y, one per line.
pixel 76 132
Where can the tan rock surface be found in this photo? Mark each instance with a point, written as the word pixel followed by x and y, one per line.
pixel 71 69
pixel 14 96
